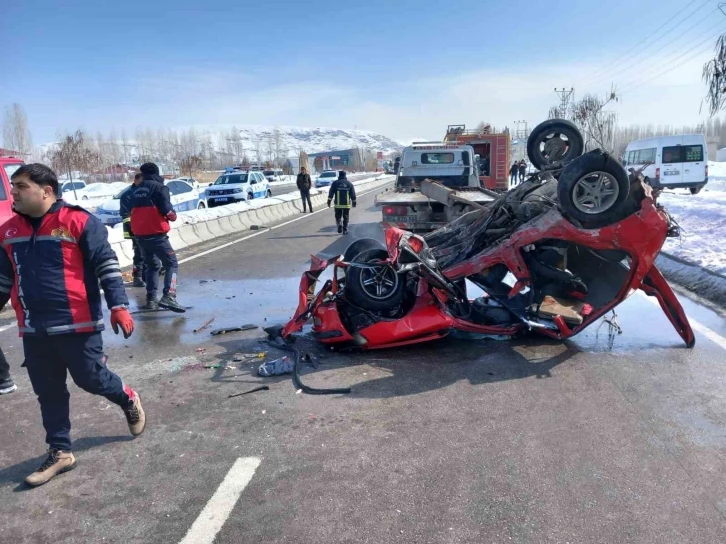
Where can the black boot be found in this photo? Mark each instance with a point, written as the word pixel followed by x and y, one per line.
pixel 151 303
pixel 169 302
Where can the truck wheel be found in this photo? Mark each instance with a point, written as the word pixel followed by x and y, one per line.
pixel 592 189
pixel 376 289
pixel 696 190
pixel 556 140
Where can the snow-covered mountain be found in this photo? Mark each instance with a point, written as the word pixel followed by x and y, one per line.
pixel 315 140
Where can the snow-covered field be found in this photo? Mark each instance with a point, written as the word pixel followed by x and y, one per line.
pixel 702 218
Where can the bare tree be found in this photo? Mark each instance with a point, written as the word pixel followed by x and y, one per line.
pixel 258 151
pixel 714 74
pixel 16 134
pixel 280 150
pixel 73 153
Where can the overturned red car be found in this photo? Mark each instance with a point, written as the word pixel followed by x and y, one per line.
pixel 552 255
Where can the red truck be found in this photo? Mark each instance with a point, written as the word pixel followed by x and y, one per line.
pixel 493 151
pixel 8 165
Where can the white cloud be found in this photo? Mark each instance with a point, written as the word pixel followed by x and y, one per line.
pixel 403 110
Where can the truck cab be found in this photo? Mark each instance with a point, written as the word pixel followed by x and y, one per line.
pixel 452 165
pixel 8 166
pixel 492 151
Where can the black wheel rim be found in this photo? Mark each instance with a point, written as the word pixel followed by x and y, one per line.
pixel 378 282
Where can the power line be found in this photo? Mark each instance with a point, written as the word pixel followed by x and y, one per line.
pixel 670 61
pixel 615 61
pixel 636 63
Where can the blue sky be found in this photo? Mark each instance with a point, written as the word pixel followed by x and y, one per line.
pixel 402 68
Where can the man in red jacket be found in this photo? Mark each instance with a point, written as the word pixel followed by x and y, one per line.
pixel 53 258
pixel 151 211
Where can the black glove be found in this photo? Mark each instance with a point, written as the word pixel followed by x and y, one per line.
pixel 328 203
pixel 354 203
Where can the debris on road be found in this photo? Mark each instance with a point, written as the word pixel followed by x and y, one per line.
pixel 241 328
pixel 204 325
pixel 253 390
pixel 201 350
pixel 247 356
pixel 277 367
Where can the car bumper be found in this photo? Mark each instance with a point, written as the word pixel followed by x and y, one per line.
pixel 223 200
pixel 658 184
pixel 109 219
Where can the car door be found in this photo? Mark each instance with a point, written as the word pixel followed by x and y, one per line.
pixel 672 159
pixel 174 195
pixel 262 185
pixel 694 166
pixel 187 199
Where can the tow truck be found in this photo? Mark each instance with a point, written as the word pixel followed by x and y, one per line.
pixel 492 149
pixel 436 183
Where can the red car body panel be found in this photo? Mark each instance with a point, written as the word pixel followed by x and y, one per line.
pixel 641 235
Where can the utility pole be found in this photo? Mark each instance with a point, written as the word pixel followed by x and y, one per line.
pixel 565 96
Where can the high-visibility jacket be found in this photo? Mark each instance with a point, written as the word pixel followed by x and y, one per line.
pixel 342 192
pixel 51 267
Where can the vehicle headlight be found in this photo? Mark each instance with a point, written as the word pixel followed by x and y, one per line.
pixel 238 191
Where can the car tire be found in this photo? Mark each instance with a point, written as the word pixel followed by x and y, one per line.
pixel 201 206
pixel 375 290
pixel 250 196
pixel 546 146
pixel 84 197
pixel 696 190
pixel 593 190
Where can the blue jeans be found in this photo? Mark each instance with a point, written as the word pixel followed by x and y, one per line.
pixel 158 253
pixel 48 358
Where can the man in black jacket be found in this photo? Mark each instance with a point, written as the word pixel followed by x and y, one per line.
pixel 151 211
pixel 304 184
pixel 343 192
pixel 139 269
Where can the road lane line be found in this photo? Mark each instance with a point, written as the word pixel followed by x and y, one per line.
pixel 264 231
pixel 10 326
pixel 696 325
pixel 219 507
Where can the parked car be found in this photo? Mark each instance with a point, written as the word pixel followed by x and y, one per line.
pixel 97 190
pixel 326 178
pixel 191 181
pixel 69 186
pixel 272 175
pixel 184 197
pixel 237 187
pixel 8 166
pixel 673 161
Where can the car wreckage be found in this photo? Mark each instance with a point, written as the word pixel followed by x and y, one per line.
pixel 552 255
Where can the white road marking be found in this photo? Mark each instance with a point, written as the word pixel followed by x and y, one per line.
pixel 10 326
pixel 263 231
pixel 695 325
pixel 219 507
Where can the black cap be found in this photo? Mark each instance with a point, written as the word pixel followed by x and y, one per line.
pixel 149 168
pixel 341 174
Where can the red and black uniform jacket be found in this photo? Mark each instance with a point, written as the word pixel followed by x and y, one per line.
pixel 51 267
pixel 150 207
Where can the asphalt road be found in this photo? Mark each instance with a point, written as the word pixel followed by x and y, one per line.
pixel 592 440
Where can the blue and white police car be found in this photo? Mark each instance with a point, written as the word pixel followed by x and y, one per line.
pixel 184 197
pixel 237 186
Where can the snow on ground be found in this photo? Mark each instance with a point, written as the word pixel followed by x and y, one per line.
pixel 702 218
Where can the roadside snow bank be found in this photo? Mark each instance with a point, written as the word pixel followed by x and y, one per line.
pixel 702 218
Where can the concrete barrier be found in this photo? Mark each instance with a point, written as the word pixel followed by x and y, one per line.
pixel 202 230
pixel 215 227
pixel 189 235
pixel 176 240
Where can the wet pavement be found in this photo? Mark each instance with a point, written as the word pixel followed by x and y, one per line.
pixel 600 439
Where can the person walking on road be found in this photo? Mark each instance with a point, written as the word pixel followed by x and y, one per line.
pixel 522 170
pixel 343 193
pixel 139 269
pixel 513 172
pixel 304 184
pixel 54 257
pixel 7 385
pixel 151 211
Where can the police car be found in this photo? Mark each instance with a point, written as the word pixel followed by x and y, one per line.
pixel 237 186
pixel 184 197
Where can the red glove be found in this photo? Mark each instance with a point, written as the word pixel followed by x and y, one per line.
pixel 122 317
pixel 171 216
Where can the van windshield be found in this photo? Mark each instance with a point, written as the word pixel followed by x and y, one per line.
pixel 231 178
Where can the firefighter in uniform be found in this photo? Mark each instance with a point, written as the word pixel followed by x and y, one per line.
pixel 151 211
pixel 53 258
pixel 343 193
pixel 139 268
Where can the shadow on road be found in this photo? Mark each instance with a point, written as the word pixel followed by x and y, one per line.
pixel 17 473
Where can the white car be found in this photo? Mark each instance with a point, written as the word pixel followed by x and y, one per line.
pixel 326 178
pixel 273 174
pixel 184 197
pixel 191 181
pixel 69 186
pixel 99 190
pixel 237 187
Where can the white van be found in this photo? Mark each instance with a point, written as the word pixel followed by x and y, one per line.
pixel 454 165
pixel 676 161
